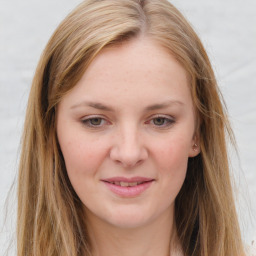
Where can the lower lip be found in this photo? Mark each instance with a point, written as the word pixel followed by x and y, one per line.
pixel 129 191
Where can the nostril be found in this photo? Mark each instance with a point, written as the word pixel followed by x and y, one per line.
pixel 127 160
pixel 132 164
pixel 126 164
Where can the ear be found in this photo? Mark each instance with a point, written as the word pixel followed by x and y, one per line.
pixel 195 146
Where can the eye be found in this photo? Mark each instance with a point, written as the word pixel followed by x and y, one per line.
pixel 161 121
pixel 94 122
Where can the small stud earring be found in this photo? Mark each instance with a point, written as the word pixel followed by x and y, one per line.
pixel 195 147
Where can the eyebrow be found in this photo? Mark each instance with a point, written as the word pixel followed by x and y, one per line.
pixel 164 105
pixel 101 106
pixel 96 105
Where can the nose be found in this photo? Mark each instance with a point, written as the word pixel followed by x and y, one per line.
pixel 128 148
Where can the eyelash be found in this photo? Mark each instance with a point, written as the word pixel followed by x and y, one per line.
pixel 87 122
pixel 167 121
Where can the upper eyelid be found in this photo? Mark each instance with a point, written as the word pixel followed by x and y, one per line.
pixel 92 117
pixel 165 116
pixel 162 116
pixel 151 117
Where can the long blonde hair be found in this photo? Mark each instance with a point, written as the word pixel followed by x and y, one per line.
pixel 50 219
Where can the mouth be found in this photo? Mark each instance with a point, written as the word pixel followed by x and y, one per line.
pixel 127 184
pixel 125 187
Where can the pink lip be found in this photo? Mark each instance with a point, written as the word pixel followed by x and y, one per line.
pixel 124 179
pixel 132 191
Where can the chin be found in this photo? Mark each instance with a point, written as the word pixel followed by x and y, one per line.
pixel 129 218
pixel 128 223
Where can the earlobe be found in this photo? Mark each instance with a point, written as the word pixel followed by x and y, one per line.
pixel 195 148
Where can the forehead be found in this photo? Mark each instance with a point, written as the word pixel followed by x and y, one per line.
pixel 137 70
pixel 143 55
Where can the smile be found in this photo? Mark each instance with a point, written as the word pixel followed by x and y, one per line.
pixel 126 184
pixel 125 187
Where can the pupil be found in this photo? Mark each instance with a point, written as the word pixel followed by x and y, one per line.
pixel 95 121
pixel 159 121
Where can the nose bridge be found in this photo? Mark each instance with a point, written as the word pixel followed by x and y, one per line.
pixel 129 140
pixel 129 148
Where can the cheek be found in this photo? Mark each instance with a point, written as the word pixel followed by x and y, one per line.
pixel 173 154
pixel 172 159
pixel 82 160
pixel 82 155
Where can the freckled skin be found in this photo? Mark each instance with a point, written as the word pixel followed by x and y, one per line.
pixel 128 77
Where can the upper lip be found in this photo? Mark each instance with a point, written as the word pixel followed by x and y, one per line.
pixel 124 179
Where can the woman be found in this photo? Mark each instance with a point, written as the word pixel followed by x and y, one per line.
pixel 124 145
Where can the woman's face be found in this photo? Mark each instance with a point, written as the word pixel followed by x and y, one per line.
pixel 126 132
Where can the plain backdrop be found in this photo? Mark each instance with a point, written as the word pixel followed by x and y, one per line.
pixel 228 31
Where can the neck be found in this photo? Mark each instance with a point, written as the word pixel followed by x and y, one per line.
pixel 157 238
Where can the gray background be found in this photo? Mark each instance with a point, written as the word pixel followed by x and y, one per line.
pixel 228 31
